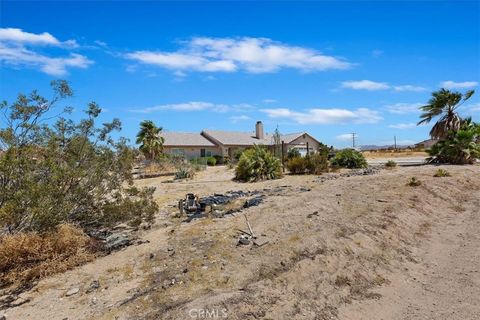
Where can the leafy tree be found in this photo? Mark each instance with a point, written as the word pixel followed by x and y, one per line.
pixel 258 164
pixel 293 153
pixel 52 173
pixel 151 143
pixel 444 104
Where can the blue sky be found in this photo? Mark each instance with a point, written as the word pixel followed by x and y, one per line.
pixel 329 68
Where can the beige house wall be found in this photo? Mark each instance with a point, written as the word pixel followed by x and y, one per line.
pixel 301 142
pixel 192 152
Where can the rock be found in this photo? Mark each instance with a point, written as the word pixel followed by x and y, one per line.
pixel 116 241
pixel 93 301
pixel 94 285
pixel 152 255
pixel 244 239
pixel 122 226
pixel 72 291
pixel 3 317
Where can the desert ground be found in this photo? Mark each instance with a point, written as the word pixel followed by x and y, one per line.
pixel 335 246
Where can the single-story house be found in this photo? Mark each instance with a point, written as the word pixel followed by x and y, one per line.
pixel 226 143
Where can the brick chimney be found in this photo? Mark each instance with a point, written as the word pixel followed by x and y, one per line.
pixel 259 130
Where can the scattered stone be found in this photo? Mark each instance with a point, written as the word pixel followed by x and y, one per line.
pixel 185 270
pixel 72 291
pixel 94 285
pixel 152 255
pixel 303 189
pixel 3 317
pixel 93 301
pixel 116 241
pixel 312 214
pixel 244 240
pixel 122 226
pixel 140 241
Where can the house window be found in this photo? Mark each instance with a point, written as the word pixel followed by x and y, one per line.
pixel 205 153
pixel 209 153
pixel 202 153
pixel 178 151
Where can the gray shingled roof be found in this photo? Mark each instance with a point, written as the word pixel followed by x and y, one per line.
pixel 247 138
pixel 185 139
pixel 237 138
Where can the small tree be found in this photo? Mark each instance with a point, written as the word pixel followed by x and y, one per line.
pixel 66 172
pixel 151 143
pixel 444 104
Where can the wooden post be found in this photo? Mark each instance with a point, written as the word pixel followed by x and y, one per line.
pixel 283 156
pixel 307 148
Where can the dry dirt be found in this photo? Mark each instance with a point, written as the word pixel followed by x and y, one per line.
pixel 362 247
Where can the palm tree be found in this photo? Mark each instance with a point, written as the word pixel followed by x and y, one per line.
pixel 149 139
pixel 444 104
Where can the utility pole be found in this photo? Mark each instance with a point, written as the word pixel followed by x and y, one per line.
pixel 395 142
pixel 353 140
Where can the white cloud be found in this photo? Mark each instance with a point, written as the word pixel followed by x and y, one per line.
pixel 458 85
pixel 374 86
pixel 403 126
pixel 254 55
pixel 345 137
pixel 269 100
pixel 365 85
pixel 404 108
pixel 326 116
pixel 472 107
pixel 16 51
pixel 195 106
pixel 236 119
pixel 409 87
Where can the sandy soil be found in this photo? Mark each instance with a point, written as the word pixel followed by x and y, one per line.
pixel 362 247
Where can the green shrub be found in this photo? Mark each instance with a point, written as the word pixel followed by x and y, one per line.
pixel 297 165
pixel 414 182
pixel 460 147
pixel 237 154
pixel 293 153
pixel 67 172
pixel 349 158
pixel 390 164
pixel 258 164
pixel 441 173
pixel 318 162
pixel 211 161
pixel 184 172
pixel 219 159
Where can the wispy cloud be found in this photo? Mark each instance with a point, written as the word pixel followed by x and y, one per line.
pixel 377 53
pixel 403 126
pixel 345 137
pixel 375 86
pixel 269 100
pixel 253 55
pixel 365 85
pixel 458 85
pixel 404 108
pixel 195 106
pixel 326 116
pixel 409 87
pixel 236 119
pixel 17 49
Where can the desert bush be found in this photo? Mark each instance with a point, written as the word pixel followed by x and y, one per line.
pixel 441 173
pixel 211 161
pixel 30 255
pixel 390 164
pixel 237 154
pixel 459 147
pixel 220 159
pixel 318 161
pixel 293 153
pixel 414 182
pixel 349 158
pixel 297 165
pixel 184 172
pixel 67 172
pixel 258 164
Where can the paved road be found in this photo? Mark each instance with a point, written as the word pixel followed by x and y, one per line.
pixel 403 161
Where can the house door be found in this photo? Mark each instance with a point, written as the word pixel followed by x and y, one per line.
pixel 202 153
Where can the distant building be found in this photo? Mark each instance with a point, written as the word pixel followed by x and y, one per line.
pixel 426 144
pixel 227 143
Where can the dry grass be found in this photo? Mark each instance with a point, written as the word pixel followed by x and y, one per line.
pixel 393 154
pixel 28 256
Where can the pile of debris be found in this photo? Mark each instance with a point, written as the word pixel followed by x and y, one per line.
pixel 351 173
pixel 218 205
